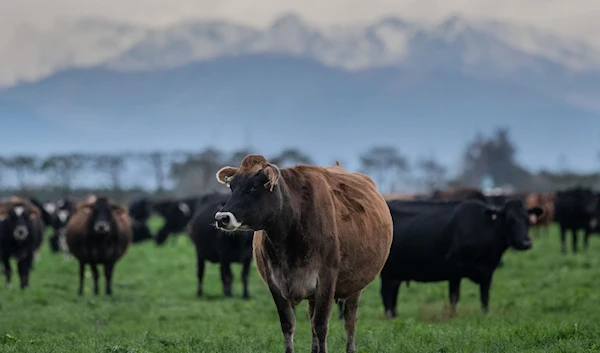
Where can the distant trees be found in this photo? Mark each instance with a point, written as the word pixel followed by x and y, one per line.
pixel 434 174
pixel 63 169
pixel 24 167
pixel 180 173
pixel 289 157
pixel 112 166
pixel 385 165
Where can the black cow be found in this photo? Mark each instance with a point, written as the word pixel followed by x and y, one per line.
pixel 574 210
pixel 176 213
pixel 140 211
pixel 595 222
pixel 21 235
pixel 217 246
pixel 448 241
pixel 63 210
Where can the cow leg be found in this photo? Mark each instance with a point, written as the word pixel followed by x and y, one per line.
pixel 81 276
pixel 586 241
pixel 340 309
pixel 324 298
pixel 574 239
pixel 350 317
pixel 24 267
pixel 226 277
pixel 484 293
pixel 7 271
pixel 162 235
pixel 108 274
pixel 200 272
pixel 386 295
pixel 563 240
pixel 454 294
pixel 287 319
pixel 311 314
pixel 95 276
pixel 394 297
pixel 245 275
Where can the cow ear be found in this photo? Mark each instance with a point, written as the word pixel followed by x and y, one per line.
pixel 225 174
pixel 273 174
pixel 535 213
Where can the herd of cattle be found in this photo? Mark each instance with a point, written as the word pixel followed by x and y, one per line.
pixel 316 233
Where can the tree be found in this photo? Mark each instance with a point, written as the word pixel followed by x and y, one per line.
pixel 112 166
pixel 237 157
pixel 434 174
pixel 64 169
pixel 23 167
pixel 386 166
pixel 495 157
pixel 196 174
pixel 289 157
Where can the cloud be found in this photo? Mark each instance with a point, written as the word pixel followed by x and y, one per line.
pixel 568 17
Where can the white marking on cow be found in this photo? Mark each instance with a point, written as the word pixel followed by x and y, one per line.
pixel 21 232
pixel 50 208
pixel 19 210
pixel 63 215
pixel 2 218
pixel 184 208
pixel 594 223
pixel 233 222
pixel 296 285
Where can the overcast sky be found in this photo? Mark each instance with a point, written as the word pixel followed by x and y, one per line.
pixel 578 18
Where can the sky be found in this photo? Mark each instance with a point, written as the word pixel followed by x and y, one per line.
pixel 573 18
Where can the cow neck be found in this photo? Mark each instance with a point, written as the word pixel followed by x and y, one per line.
pixel 283 229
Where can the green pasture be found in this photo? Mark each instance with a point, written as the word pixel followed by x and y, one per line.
pixel 541 301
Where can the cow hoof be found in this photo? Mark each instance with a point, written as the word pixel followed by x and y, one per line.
pixel 246 297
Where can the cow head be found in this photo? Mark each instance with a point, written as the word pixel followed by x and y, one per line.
pixel 255 196
pixel 18 220
pixel 515 220
pixel 102 213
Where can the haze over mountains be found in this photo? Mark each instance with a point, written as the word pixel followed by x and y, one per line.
pixel 332 92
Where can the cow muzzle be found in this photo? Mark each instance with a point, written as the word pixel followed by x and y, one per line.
pixel 102 227
pixel 21 233
pixel 227 221
pixel 524 245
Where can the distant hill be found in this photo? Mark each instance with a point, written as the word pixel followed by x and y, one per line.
pixel 285 100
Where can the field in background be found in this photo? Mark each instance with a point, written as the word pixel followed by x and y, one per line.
pixel 541 301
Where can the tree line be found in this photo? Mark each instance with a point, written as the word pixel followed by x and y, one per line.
pixel 180 173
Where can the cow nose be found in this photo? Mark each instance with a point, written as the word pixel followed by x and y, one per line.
pixel 527 244
pixel 21 232
pixel 102 227
pixel 223 219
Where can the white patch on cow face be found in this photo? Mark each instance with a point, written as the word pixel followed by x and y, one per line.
pixel 184 208
pixel 227 221
pixel 50 208
pixel 19 210
pixel 63 215
pixel 21 233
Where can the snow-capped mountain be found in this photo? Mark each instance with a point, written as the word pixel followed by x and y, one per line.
pixel 494 47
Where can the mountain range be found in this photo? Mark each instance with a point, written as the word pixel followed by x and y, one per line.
pixel 332 91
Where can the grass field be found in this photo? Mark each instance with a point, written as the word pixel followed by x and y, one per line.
pixel 541 301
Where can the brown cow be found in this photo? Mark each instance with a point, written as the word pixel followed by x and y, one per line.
pixel 546 201
pixel 99 233
pixel 321 233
